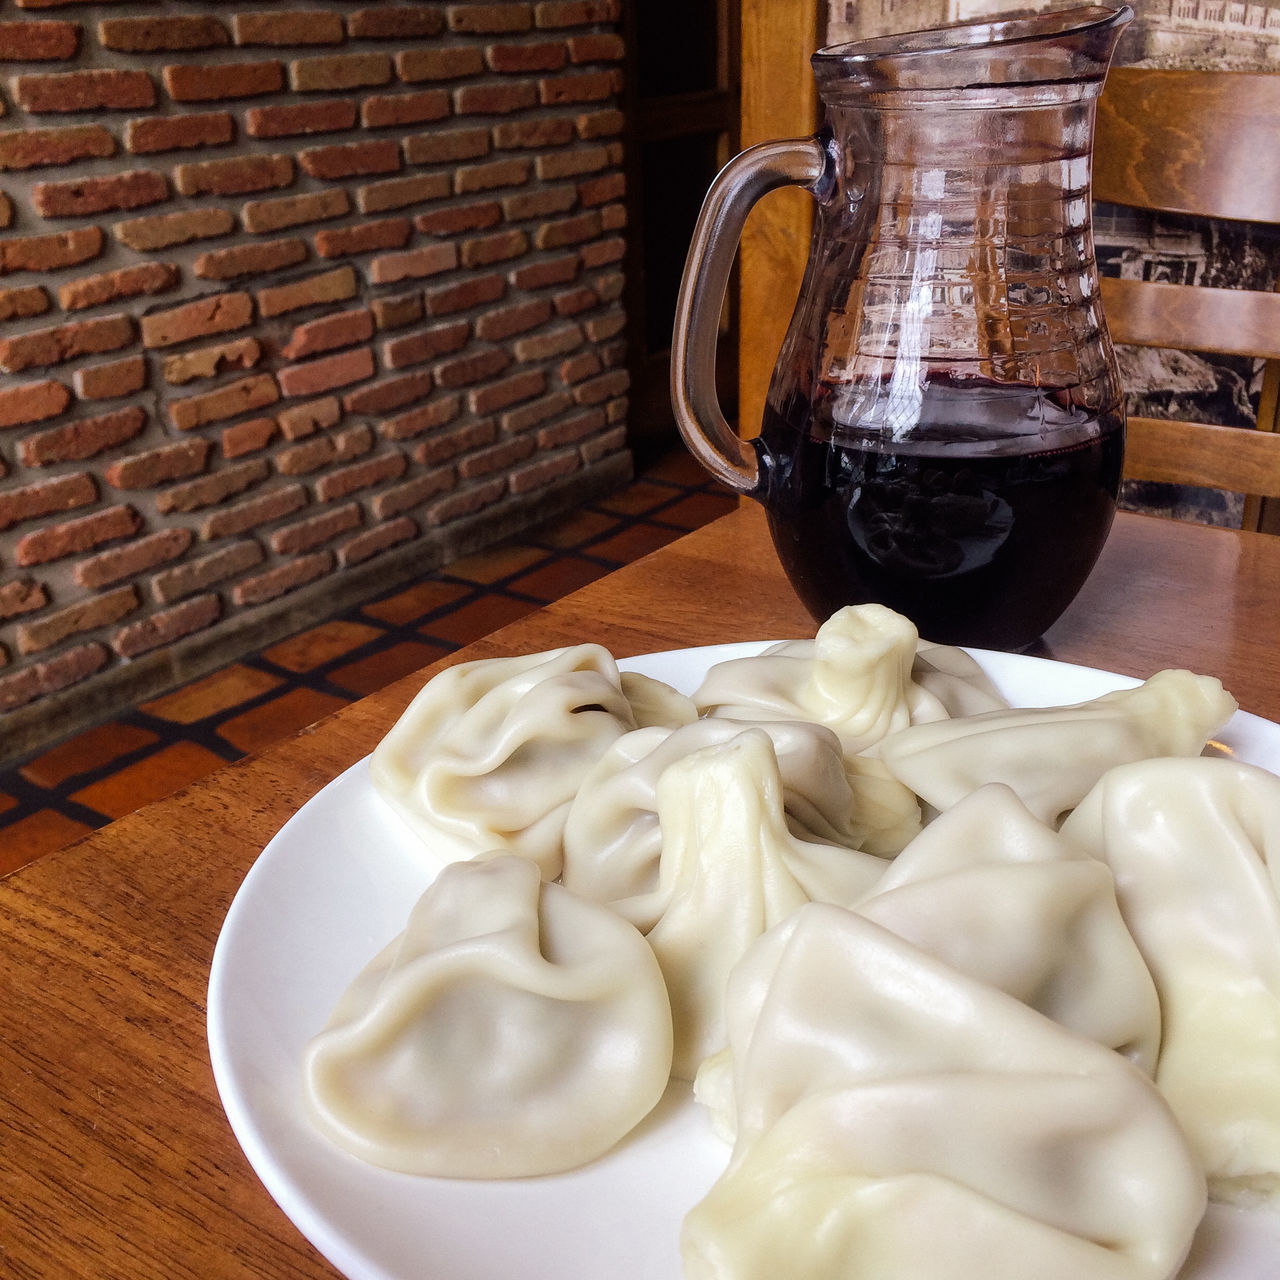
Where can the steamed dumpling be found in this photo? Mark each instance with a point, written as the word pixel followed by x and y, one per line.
pixel 613 842
pixel 898 1120
pixel 729 869
pixel 1195 849
pixel 1051 756
pixel 512 1029
pixel 490 753
pixel 992 891
pixel 855 677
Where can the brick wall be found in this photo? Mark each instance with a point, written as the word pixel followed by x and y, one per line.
pixel 296 300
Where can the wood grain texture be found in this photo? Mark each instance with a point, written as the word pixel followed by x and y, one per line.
pixel 116 1162
pixel 1237 459
pixel 779 100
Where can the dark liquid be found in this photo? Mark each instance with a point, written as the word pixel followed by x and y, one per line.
pixel 976 547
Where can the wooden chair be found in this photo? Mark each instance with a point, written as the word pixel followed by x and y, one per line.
pixel 1201 143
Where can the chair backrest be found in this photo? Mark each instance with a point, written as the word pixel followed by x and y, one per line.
pixel 1200 143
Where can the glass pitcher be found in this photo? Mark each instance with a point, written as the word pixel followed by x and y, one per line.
pixel 944 430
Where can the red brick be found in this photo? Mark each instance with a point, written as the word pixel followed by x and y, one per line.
pixel 39 347
pixel 112 286
pixel 32 402
pixel 294 26
pixel 300 420
pixel 45 498
pixel 540 202
pixel 572 163
pixel 487 250
pixel 425 344
pixel 445 146
pixel 495 99
pixel 235 398
pixel 613 217
pixel 351 159
pixel 219 313
pixel 261 510
pixel 40 148
pixel 572 430
pixel 574 13
pixel 136 557
pixel 597 390
pixel 441 446
pixel 413 264
pixel 156 34
pixel 485 177
pixel 537 475
pixel 567 231
pixel 390 393
pixel 234 176
pixel 75 619
pixel 597 47
pixel 22 304
pixel 451 62
pixel 80 197
pixel 545 346
pixel 413 493
pixel 394 22
pixel 214 82
pixel 609 287
pixel 545 56
pixel 327 373
pixel 205 362
pixel 203 572
pixel 303 459
pixel 396 193
pixel 533 131
pixel 501 457
pixel 112 380
pixel 159 466
pixel 590 86
pixel 55 541
pixel 459 217
pixel 386 110
pixel 86 438
pixel 395 313
pixel 601 252
pixel 60 672
pixel 509 391
pixel 340 71
pixel 329 116
pixel 495 326
pixel 473 367
pixel 314 531
pixel 372 542
pixel 485 19
pixel 612 186
pixel 364 237
pixel 164 231
pixel 91 90
pixel 600 124
pixel 468 502
pixel 601 328
pixel 164 628
pixel 22 595
pixel 248 437
pixel 249 259
pixel 574 301
pixel 530 415
pixel 264 216
pixel 537 275
pixel 426 417
pixel 49 253
pixel 362 475
pixel 474 291
pixel 208 491
pixel 584 365
pixel 332 286
pixel 6 210
pixel 36 41
pixel 279 581
pixel 329 332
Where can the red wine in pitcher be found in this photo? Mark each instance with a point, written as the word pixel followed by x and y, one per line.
pixel 981 534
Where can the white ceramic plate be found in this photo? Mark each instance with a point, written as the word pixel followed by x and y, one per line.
pixel 334 886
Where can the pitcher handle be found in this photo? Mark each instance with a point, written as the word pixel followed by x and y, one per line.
pixel 802 162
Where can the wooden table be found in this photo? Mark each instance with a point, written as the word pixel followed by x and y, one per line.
pixel 115 1158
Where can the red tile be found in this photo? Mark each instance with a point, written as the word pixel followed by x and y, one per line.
pixel 415 602
pixel 486 567
pixel 477 619
pixel 636 498
pixel 258 728
pixel 574 530
pixel 93 749
pixel 378 670
pixel 558 578
pixel 212 695
pixel 39 833
pixel 635 542
pixel 313 648
pixel 697 509
pixel 679 467
pixel 151 778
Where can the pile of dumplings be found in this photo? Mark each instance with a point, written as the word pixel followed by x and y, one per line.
pixel 967 990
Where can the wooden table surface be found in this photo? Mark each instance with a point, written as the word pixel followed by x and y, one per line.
pixel 115 1158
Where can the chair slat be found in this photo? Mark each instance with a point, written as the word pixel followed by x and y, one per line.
pixel 1238 459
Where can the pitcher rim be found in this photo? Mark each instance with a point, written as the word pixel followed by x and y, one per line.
pixel 984 33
